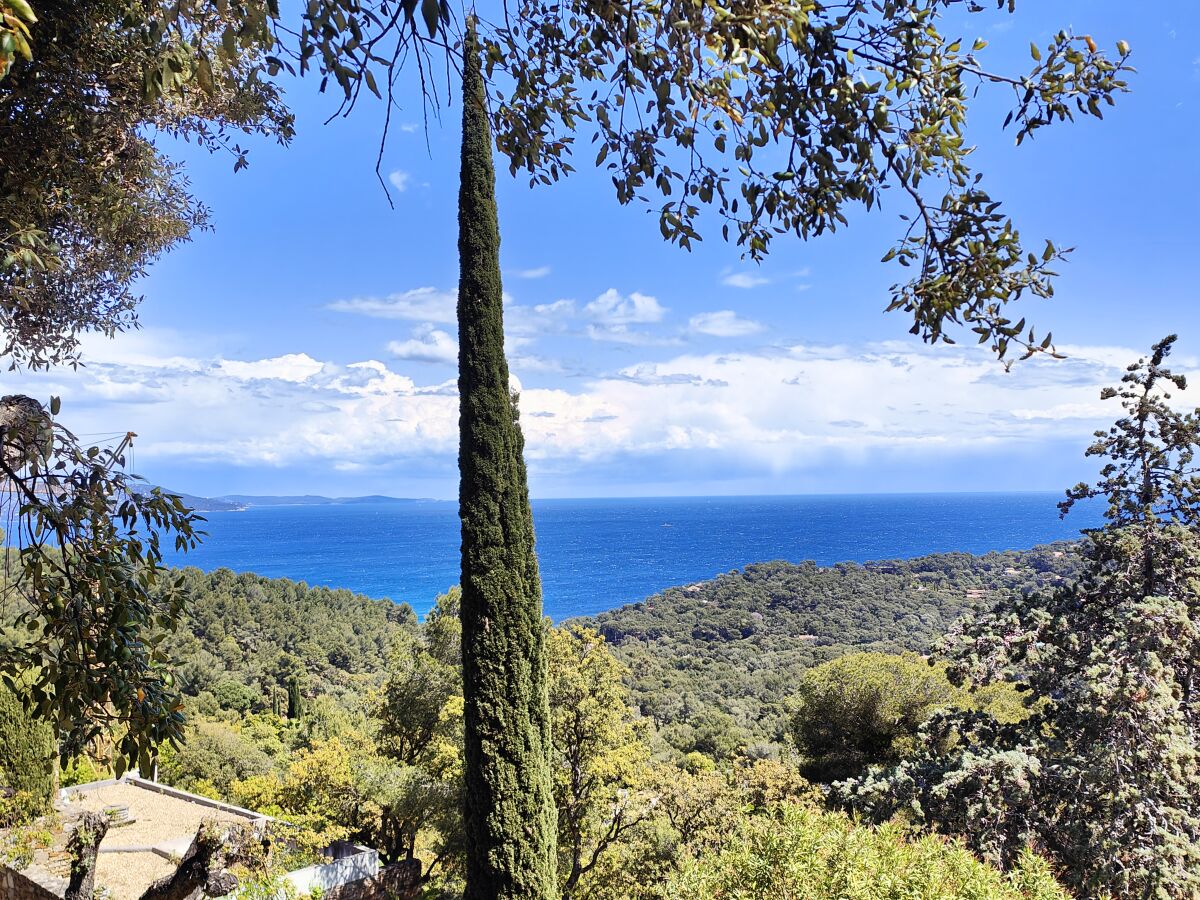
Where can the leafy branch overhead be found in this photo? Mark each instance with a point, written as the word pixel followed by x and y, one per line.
pixel 822 106
pixel 16 17
pixel 780 117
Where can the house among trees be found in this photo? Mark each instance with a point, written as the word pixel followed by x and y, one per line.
pixel 156 840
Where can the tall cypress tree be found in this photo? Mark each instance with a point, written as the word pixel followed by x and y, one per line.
pixel 509 807
pixel 295 701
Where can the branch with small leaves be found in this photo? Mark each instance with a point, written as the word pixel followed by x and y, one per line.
pixel 85 586
pixel 789 112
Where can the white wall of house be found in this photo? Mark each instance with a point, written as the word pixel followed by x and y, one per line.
pixel 325 876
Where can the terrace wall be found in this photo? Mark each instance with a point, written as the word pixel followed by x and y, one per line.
pixel 17 886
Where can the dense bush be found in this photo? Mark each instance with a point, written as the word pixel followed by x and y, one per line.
pixel 27 757
pixel 865 709
pixel 214 756
pixel 812 855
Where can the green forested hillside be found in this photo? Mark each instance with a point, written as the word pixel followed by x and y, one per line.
pixel 342 714
pixel 711 664
pixel 247 637
pixel 714 663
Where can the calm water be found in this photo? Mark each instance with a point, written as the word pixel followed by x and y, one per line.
pixel 598 554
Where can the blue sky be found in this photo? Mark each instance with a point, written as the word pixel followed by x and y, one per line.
pixel 305 345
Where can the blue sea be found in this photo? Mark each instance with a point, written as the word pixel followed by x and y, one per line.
pixel 599 554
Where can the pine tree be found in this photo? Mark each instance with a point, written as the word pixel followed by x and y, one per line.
pixel 1105 771
pixel 509 807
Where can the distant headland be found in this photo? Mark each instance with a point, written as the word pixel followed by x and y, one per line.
pixel 239 502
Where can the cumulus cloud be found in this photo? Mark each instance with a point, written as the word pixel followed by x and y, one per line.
pixel 530 322
pixel 767 411
pixel 423 304
pixel 744 280
pixel 399 179
pixel 539 272
pixel 723 323
pixel 295 367
pixel 612 314
pixel 615 309
pixel 428 344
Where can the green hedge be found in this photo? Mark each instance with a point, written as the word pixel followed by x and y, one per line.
pixel 26 761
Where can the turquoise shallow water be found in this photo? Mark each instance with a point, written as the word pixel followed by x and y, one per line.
pixel 599 554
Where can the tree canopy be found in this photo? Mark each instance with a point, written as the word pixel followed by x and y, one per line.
pixel 87 199
pixel 862 708
pixel 1104 770
pixel 780 117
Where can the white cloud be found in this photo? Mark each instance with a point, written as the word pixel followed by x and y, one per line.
pixel 542 318
pixel 614 309
pixel 399 180
pixel 744 280
pixel 428 344
pixel 723 323
pixel 146 347
pixel 555 309
pixel 295 367
pixel 622 334
pixel 424 304
pixel 612 314
pixel 764 411
pixel 539 272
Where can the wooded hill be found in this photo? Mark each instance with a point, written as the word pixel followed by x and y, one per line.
pixel 247 637
pixel 714 663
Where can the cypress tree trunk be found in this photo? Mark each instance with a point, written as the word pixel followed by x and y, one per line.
pixel 509 807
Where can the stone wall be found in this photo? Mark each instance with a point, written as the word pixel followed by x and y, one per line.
pixel 16 885
pixel 400 881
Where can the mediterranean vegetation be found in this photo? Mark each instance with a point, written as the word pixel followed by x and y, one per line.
pixel 715 664
pixel 1021 725
pixel 933 711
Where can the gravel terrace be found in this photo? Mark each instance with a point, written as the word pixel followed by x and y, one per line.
pixel 159 820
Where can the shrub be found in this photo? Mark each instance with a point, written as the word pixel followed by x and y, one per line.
pixel 27 755
pixel 213 758
pixel 863 709
pixel 812 855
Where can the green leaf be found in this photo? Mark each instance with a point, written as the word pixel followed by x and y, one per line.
pixel 23 9
pixel 229 44
pixel 55 405
pixel 1035 52
pixel 204 74
pixel 431 12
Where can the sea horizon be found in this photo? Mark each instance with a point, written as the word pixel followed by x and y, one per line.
pixel 710 496
pixel 604 552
